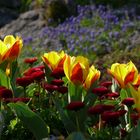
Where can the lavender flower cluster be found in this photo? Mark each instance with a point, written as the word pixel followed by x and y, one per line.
pixel 95 30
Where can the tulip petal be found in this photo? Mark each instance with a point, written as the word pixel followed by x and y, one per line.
pixel 129 77
pixel 116 77
pixel 52 59
pixel 14 51
pixel 9 40
pixel 124 73
pixel 67 68
pixel 61 62
pixel 3 49
pixel 84 62
pixel 93 75
pixel 77 74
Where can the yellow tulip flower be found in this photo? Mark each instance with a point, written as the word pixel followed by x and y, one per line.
pixel 92 76
pixel 76 69
pixel 124 73
pixel 10 48
pixel 54 59
pixel 136 95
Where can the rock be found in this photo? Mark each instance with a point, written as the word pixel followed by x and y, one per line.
pixel 7 16
pixel 28 24
pixel 30 15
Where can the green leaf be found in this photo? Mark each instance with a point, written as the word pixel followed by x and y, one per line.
pixel 135 134
pixel 76 136
pixel 31 120
pixel 13 123
pixel 4 80
pixel 48 73
pixel 69 125
pixel 3 65
pixel 90 99
pixel 123 94
pixel 1 123
pixel 14 73
pixel 75 91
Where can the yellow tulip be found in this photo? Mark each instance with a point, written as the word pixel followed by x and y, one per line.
pixel 3 49
pixel 136 95
pixel 10 48
pixel 76 69
pixel 54 59
pixel 92 76
pixel 124 73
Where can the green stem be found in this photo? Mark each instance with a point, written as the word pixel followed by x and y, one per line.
pixel 39 98
pixel 24 92
pixel 0 105
pixel 129 118
pixel 111 132
pixel 8 82
pixel 77 122
pixel 100 121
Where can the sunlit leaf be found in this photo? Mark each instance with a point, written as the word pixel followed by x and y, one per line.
pixel 30 119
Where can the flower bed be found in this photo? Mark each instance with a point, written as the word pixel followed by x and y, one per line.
pixel 61 96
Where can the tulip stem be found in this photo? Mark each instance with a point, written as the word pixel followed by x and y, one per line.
pixel 24 92
pixel 111 132
pixel 100 121
pixel 129 119
pixel 8 85
pixel 39 98
pixel 77 122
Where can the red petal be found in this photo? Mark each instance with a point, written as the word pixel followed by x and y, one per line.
pixel 77 74
pixel 14 51
pixel 129 77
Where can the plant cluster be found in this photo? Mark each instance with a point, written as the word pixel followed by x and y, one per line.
pixel 62 96
pixel 95 32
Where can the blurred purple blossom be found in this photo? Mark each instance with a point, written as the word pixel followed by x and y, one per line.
pixel 91 28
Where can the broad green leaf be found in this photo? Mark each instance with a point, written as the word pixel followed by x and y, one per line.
pixel 30 119
pixel 76 136
pixel 135 134
pixel 4 80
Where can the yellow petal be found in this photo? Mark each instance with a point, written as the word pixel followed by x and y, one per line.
pixel 20 41
pixel 121 70
pixel 3 48
pixel 53 58
pixel 67 66
pixel 93 75
pixel 117 77
pixel 124 73
pixel 61 54
pixel 9 40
